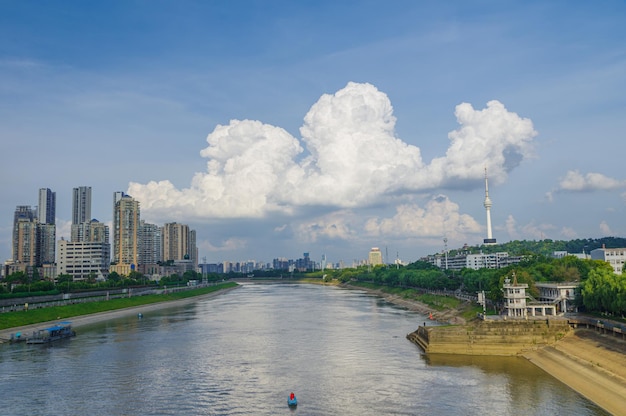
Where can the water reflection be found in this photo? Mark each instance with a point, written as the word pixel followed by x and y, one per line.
pixel 341 352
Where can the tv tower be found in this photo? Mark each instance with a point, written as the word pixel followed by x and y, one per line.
pixel 489 240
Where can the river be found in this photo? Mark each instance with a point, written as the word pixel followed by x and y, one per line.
pixel 343 352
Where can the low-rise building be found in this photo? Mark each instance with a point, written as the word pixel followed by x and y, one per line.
pixel 614 256
pixel 83 259
pixel 562 294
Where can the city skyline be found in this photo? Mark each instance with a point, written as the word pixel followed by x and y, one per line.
pixel 275 130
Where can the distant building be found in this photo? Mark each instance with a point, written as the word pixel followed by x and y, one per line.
pixel 474 261
pixel 46 235
pixel 304 264
pixel 46 210
pixel 25 236
pixel 126 235
pixel 83 259
pixel 46 243
pixel 150 246
pixel 375 257
pixel 92 231
pixel 179 243
pixel 614 256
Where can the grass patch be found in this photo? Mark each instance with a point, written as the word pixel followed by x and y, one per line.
pixel 437 302
pixel 34 316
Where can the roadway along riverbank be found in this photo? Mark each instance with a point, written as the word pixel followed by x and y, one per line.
pixel 82 320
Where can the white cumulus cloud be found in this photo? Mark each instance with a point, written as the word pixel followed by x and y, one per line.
pixel 605 229
pixel 348 157
pixel 439 217
pixel 575 181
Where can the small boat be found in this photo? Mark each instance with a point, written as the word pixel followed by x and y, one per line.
pixel 17 337
pixel 292 401
pixel 59 331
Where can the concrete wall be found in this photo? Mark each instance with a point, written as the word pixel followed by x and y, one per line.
pixel 490 337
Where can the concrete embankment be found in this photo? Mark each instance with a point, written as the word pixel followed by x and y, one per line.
pixel 489 337
pixel 590 363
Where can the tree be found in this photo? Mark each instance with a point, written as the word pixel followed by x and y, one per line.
pixel 605 291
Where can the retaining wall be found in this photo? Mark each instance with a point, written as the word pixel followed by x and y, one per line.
pixel 490 337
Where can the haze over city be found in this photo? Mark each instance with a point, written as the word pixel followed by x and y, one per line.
pixel 277 128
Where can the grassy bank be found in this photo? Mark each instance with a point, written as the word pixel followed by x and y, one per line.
pixel 437 302
pixel 22 318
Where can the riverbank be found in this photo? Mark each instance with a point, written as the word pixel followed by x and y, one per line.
pixel 449 316
pixel 592 364
pixel 82 320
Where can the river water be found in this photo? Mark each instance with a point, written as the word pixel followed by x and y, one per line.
pixel 343 352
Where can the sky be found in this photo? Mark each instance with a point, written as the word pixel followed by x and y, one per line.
pixel 275 128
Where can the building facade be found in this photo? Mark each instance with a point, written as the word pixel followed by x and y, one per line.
pixel 81 211
pixel 614 256
pixel 150 243
pixel 126 222
pixel 179 243
pixel 84 259
pixel 46 210
pixel 25 236
pixel 375 257
pixel 46 233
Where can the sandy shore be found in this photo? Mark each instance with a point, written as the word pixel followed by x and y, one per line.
pixel 78 321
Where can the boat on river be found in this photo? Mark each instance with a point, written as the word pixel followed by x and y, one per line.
pixel 292 401
pixel 62 330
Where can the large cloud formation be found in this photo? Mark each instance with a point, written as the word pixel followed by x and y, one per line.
pixel 348 156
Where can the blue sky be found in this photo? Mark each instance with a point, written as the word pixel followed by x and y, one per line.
pixel 278 127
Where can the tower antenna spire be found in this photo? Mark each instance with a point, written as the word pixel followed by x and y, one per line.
pixel 489 240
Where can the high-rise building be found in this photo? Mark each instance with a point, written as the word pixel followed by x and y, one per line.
pixel 117 197
pixel 375 257
pixel 126 233
pixel 46 210
pixel 46 243
pixel 46 230
pixel 92 231
pixel 176 242
pixel 81 204
pixel 150 241
pixel 25 236
pixel 81 212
